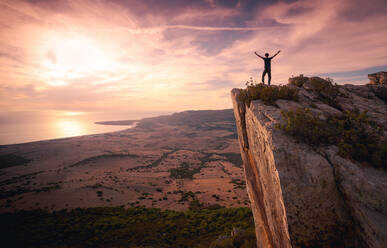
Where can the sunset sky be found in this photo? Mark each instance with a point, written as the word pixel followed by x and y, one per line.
pixel 150 56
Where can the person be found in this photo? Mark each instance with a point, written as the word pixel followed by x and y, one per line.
pixel 267 70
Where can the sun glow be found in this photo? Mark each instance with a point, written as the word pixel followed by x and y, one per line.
pixel 73 113
pixel 68 128
pixel 71 58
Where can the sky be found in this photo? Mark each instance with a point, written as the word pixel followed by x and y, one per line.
pixel 148 56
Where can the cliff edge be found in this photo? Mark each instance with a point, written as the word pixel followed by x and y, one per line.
pixel 321 181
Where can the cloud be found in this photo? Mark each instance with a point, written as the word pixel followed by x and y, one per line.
pixel 174 55
pixel 213 85
pixel 204 28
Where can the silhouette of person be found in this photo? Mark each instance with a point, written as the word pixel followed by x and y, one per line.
pixel 267 70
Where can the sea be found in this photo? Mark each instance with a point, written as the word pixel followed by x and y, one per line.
pixel 22 127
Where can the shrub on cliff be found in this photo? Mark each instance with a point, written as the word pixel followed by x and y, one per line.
pixel 298 81
pixel 324 88
pixel 307 128
pixel 360 139
pixel 355 136
pixel 268 94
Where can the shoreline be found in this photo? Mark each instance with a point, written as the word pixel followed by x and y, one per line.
pixel 124 127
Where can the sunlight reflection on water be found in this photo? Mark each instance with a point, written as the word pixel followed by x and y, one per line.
pixel 70 128
pixel 21 127
pixel 53 128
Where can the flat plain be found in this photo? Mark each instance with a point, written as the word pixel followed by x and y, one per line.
pixel 164 162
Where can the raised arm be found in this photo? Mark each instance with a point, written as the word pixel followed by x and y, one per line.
pixel 276 54
pixel 258 55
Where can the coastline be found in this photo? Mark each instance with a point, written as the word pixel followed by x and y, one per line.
pixel 117 127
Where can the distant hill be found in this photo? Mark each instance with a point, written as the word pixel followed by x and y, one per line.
pixel 116 123
pixel 193 117
pixel 199 119
pixel 181 118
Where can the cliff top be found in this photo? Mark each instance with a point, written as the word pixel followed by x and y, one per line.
pixel 314 154
pixel 318 112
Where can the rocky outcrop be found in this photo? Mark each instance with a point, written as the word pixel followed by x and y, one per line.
pixel 378 82
pixel 311 197
pixel 378 78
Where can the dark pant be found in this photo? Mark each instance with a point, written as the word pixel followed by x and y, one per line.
pixel 268 74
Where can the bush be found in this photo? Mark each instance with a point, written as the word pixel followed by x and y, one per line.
pixel 184 171
pixel 357 138
pixel 326 91
pixel 360 139
pixel 307 128
pixel 298 81
pixel 243 239
pixel 268 94
pixel 120 227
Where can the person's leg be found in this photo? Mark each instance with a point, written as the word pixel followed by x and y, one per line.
pixel 269 75
pixel 263 76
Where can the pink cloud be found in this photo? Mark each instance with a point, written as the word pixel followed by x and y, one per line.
pixel 102 56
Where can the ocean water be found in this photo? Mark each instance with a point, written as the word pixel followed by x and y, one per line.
pixel 43 127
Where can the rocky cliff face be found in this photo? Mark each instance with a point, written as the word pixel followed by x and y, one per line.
pixel 304 196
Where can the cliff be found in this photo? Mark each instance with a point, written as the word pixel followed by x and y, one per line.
pixel 315 192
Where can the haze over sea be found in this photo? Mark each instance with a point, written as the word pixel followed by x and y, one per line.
pixel 34 126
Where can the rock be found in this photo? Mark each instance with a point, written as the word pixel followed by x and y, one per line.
pixel 365 191
pixel 222 237
pixel 237 231
pixel 298 81
pixel 379 90
pixel 305 197
pixel 378 78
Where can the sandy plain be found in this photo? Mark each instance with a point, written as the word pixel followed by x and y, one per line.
pixel 163 162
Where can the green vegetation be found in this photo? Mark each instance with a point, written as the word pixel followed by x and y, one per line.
pixel 104 156
pixel 245 239
pixel 225 171
pixel 357 137
pixel 298 81
pixel 268 94
pixel 238 183
pixel 208 158
pixel 23 178
pixel 184 171
pixel 134 227
pixel 23 190
pixel 99 185
pixel 9 160
pixel 234 158
pixel 153 164
pixel 307 128
pixel 325 89
pixel 217 197
pixel 201 120
pixel 185 195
